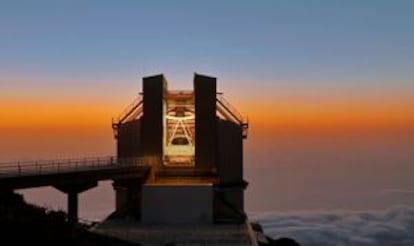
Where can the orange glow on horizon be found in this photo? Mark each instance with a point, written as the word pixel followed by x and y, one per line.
pixel 287 109
pixel 329 114
pixel 36 127
pixel 79 118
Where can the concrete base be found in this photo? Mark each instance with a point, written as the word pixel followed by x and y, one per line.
pixel 188 235
pixel 177 203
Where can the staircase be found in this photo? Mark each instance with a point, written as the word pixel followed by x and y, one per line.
pixel 228 112
pixel 133 111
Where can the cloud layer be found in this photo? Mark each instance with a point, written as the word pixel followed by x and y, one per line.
pixel 392 227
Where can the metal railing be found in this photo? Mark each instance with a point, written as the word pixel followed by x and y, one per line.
pixel 131 112
pixel 231 113
pixel 231 110
pixel 134 108
pixel 40 167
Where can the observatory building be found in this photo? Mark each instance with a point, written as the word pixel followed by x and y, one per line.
pixel 193 141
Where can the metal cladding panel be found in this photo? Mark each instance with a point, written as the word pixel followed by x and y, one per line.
pixel 230 152
pixel 205 121
pixel 129 139
pixel 152 126
pixel 229 202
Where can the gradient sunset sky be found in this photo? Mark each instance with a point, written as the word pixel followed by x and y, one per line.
pixel 295 68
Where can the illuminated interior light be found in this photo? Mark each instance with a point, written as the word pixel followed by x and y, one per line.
pixel 179 120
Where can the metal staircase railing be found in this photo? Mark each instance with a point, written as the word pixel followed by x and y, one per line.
pixel 131 112
pixel 133 109
pixel 230 113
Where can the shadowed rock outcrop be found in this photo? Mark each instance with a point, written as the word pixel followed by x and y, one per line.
pixel 25 224
pixel 264 240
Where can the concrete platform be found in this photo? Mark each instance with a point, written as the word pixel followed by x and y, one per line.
pixel 200 235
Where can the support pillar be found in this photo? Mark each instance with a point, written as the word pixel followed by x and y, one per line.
pixel 72 191
pixel 73 207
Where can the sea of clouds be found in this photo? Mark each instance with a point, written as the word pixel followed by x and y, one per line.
pixel 391 227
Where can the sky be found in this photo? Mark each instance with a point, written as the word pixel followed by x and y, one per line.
pixel 318 80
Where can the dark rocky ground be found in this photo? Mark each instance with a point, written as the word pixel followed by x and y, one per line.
pixel 26 224
pixel 267 241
